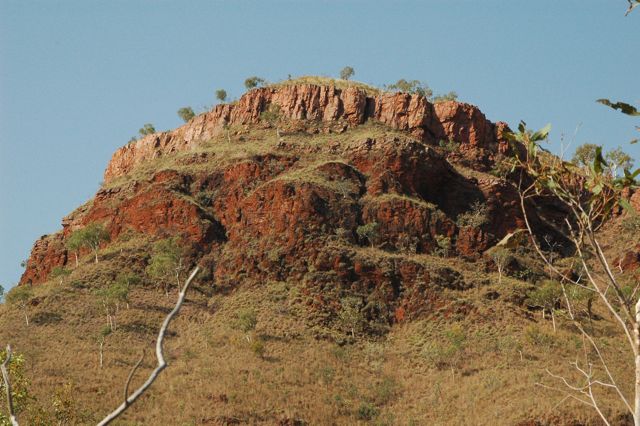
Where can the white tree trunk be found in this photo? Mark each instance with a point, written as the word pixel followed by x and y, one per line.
pixel 636 337
pixel 101 351
pixel 75 253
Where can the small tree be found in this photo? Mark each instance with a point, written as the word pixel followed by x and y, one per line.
pixel 412 86
pixel 346 73
pixel 254 81
pixel 147 129
pixel 124 281
pixel 546 296
pixel 501 258
pixel 20 296
pixel 186 113
pixel 102 336
pixel 20 396
pixel 368 232
pixel 1 293
pixel 247 319
pixel 166 262
pixel 584 154
pixel 618 160
pixel 350 315
pixel 74 244
pixel 272 116
pixel 91 237
pixel 221 95
pixel 110 299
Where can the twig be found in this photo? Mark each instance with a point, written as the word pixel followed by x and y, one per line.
pixel 162 364
pixel 7 386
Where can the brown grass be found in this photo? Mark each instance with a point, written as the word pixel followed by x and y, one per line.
pixel 478 368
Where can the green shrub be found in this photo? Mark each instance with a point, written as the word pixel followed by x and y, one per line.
pixel 447 350
pixel 186 113
pixel 351 317
pixel 444 246
pixel 147 129
pixel 449 145
pixel 367 411
pixel 368 232
pixel 254 81
pixel 247 319
pixel 19 385
pixel 59 272
pixel 451 96
pixel 257 347
pixel 476 216
pixel 411 86
pixel 221 94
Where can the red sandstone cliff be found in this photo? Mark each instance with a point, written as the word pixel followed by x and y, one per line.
pixel 401 183
pixel 460 122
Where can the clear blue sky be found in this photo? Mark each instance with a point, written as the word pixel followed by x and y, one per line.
pixel 79 78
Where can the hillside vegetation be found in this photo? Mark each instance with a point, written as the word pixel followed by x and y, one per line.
pixel 350 276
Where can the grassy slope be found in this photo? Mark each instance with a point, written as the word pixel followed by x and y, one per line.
pixel 474 365
pixel 474 361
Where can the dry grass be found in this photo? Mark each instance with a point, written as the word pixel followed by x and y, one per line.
pixel 477 368
pixel 329 81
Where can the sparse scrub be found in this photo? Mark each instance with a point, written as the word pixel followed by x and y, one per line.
pixel 444 246
pixel 21 296
pixel 147 129
pixel 631 223
pixel 167 263
pixel 475 217
pixel 501 258
pixel 59 272
pixel 450 96
pixel 91 236
pixel 272 115
pixel 350 316
pixel 411 86
pixel 547 296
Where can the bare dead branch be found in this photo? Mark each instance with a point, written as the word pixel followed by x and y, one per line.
pixel 7 386
pixel 133 371
pixel 162 364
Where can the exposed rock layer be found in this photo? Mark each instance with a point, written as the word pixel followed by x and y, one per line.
pixel 463 123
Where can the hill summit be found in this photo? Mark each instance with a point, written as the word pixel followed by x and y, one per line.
pixel 347 239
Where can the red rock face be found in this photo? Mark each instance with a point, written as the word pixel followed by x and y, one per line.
pixel 462 123
pixel 294 213
pixel 47 253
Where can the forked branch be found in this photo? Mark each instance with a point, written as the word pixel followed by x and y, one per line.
pixel 162 364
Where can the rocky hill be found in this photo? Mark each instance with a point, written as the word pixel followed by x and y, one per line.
pixel 339 201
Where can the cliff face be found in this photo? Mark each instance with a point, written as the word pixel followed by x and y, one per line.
pixel 295 208
pixel 431 123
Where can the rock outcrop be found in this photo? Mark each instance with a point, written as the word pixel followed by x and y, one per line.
pixel 459 122
pixel 296 211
